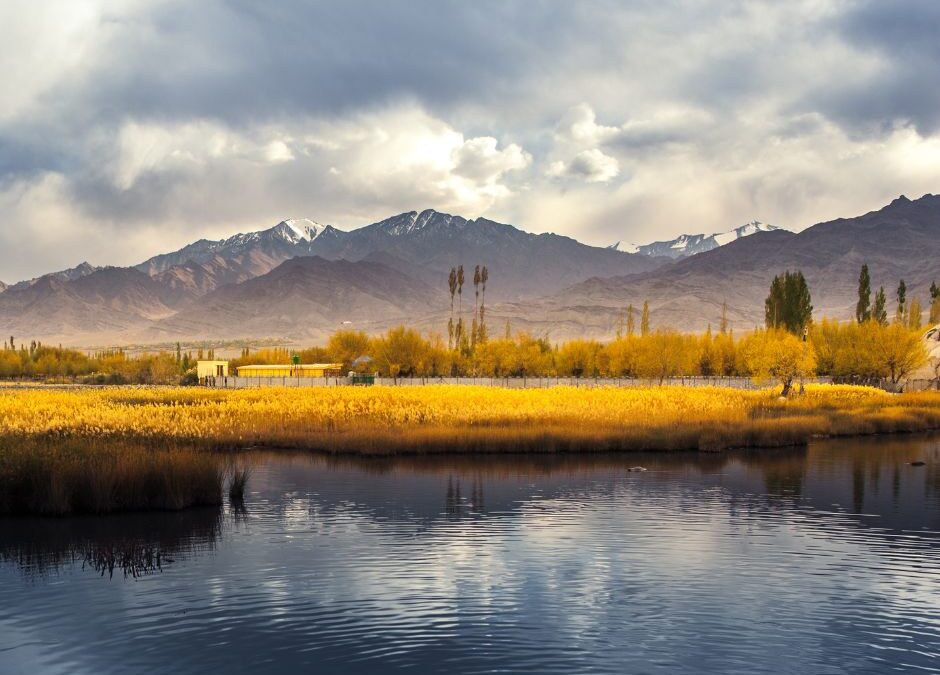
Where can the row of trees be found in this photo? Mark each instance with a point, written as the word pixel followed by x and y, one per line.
pixel 790 346
pixel 36 360
pixel 789 304
pixel 911 314
pixel 841 350
pixel 844 350
pixel 458 338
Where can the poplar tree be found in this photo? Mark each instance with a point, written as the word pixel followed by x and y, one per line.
pixel 915 315
pixel 880 312
pixel 645 319
pixel 452 286
pixel 631 320
pixel 901 313
pixel 863 308
pixel 484 277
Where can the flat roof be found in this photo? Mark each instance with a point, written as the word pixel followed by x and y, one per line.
pixel 282 366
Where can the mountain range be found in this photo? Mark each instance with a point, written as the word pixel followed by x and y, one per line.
pixel 690 244
pixel 899 241
pixel 301 280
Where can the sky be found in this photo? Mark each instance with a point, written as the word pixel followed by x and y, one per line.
pixel 131 128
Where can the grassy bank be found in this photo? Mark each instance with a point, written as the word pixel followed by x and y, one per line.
pixel 137 448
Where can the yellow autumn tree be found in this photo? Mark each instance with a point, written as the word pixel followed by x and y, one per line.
pixel 666 353
pixel 899 351
pixel 776 354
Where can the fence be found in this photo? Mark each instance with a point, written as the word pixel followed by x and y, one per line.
pixel 505 382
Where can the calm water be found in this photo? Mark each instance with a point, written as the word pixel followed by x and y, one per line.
pixel 818 560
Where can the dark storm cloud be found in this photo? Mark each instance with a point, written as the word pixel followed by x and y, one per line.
pixel 904 36
pixel 245 62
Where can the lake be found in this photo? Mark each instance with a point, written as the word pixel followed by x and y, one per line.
pixel 823 559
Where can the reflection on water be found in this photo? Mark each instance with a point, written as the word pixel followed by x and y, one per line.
pixel 810 560
pixel 131 544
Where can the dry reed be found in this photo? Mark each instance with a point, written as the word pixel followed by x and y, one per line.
pixel 143 448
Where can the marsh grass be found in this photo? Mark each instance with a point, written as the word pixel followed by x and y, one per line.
pixel 79 476
pixel 238 481
pixel 116 449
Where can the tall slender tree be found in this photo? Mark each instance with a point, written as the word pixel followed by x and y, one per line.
pixel 645 319
pixel 935 311
pixel 880 311
pixel 723 326
pixel 484 277
pixel 900 315
pixel 915 314
pixel 631 320
pixel 863 308
pixel 476 289
pixel 452 286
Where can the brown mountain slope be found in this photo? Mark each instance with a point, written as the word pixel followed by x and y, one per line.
pixel 902 240
pixel 93 308
pixel 306 298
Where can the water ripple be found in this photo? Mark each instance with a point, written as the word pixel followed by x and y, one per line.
pixel 819 560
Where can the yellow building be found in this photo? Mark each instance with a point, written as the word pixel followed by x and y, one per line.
pixel 211 369
pixel 291 370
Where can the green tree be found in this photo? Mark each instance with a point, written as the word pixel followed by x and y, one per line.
pixel 789 304
pixel 901 313
pixel 880 311
pixel 863 308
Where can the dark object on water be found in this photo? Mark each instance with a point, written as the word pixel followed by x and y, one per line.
pixel 919 462
pixel 636 469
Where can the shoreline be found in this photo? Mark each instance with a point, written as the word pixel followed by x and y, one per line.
pixel 104 451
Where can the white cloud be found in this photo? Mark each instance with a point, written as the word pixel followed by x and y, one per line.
pixel 157 121
pixel 579 127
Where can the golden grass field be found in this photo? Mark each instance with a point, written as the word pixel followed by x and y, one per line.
pixel 80 449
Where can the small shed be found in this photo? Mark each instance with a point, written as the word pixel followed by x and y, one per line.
pixel 211 369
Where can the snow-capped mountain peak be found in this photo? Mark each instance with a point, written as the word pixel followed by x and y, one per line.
pixel 752 227
pixel 297 230
pixel 412 222
pixel 624 247
pixel 689 244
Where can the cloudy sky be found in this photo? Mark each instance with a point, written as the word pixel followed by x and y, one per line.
pixel 131 127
